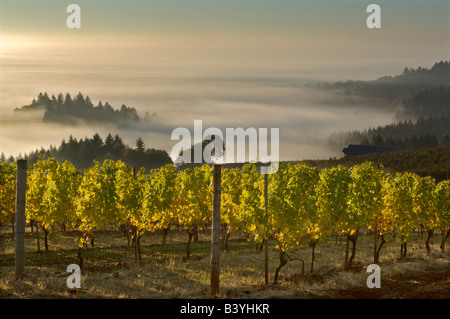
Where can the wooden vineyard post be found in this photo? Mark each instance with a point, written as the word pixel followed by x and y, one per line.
pixel 266 249
pixel 375 257
pixel 215 233
pixel 137 255
pixel 21 188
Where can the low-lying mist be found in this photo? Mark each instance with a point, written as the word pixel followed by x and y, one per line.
pixel 223 90
pixel 303 115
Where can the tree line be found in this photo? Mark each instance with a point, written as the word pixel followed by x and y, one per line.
pixel 83 152
pixel 414 143
pixel 412 135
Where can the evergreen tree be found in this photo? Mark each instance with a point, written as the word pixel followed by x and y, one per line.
pixel 377 140
pixel 118 147
pixel 140 146
pixel 88 102
pixel 68 102
pixel 60 100
pixel 78 102
pixel 365 141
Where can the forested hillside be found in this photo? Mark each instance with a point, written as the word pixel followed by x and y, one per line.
pixel 434 162
pixel 422 133
pixel 415 93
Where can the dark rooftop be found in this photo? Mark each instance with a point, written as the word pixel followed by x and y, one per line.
pixel 354 149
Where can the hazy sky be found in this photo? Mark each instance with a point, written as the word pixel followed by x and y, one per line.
pixel 225 61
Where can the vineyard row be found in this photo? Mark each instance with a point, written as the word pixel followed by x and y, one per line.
pixel 304 205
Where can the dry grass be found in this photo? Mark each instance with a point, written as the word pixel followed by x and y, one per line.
pixel 111 272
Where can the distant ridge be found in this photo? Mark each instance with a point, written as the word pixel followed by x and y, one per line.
pixel 415 93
